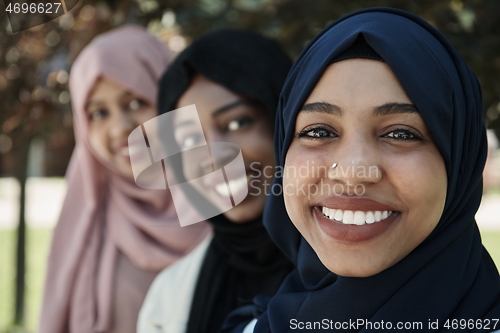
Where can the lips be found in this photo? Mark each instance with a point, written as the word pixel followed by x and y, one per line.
pixel 353 219
pixel 128 149
pixel 215 179
pixel 236 185
pixel 238 181
pixel 353 203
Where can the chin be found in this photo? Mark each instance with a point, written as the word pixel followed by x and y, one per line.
pixel 238 216
pixel 350 271
pixel 353 264
pixel 246 211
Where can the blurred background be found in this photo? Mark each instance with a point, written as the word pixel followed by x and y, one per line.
pixel 36 125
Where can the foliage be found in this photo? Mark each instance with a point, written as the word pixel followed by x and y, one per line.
pixel 34 64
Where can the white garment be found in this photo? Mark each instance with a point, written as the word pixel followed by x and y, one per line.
pixel 250 327
pixel 168 301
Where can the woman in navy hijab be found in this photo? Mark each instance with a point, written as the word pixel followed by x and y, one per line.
pixel 386 118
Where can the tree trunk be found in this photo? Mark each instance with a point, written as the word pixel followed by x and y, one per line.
pixel 21 175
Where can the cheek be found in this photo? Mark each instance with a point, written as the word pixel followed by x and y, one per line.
pixel 257 146
pixel 420 183
pixel 98 139
pixel 192 171
pixel 191 166
pixel 301 171
pixel 145 114
pixel 306 165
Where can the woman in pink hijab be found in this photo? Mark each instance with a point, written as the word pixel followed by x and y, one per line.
pixel 112 237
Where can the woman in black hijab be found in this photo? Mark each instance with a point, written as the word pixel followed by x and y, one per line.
pixel 397 248
pixel 234 78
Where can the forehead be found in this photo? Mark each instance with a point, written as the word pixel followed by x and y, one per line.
pixel 207 95
pixel 106 91
pixel 355 82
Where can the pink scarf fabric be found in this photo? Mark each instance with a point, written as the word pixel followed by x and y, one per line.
pixel 105 215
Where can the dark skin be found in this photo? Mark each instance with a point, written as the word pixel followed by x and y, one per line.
pixel 359 116
pixel 113 112
pixel 228 117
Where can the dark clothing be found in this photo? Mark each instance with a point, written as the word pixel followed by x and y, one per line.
pixel 242 261
pixel 449 275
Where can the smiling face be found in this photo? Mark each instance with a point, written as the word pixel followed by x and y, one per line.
pixel 386 192
pixel 113 112
pixel 227 117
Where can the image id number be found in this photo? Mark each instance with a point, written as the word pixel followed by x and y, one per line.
pixel 40 8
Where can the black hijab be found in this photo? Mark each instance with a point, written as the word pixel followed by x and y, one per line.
pixel 448 276
pixel 241 261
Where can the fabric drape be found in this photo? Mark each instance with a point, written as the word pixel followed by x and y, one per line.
pixel 449 275
pixel 241 261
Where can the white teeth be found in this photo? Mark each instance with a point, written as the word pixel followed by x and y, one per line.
pixel 332 213
pixel 357 217
pixel 129 150
pixel 235 185
pixel 370 218
pixel 238 184
pixel 348 217
pixel 134 149
pixel 326 211
pixel 222 189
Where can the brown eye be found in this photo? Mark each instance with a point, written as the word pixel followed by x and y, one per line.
pixel 98 115
pixel 192 140
pixel 316 133
pixel 136 103
pixel 403 135
pixel 238 123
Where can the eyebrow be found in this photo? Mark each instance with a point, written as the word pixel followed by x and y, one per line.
pixel 230 106
pixel 382 110
pixel 122 96
pixel 218 111
pixel 184 123
pixel 322 107
pixel 90 103
pixel 126 94
pixel 394 108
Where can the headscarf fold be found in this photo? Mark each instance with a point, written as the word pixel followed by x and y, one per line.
pixel 449 275
pixel 242 261
pixel 107 221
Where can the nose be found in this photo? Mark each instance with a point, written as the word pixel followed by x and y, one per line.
pixel 220 154
pixel 355 162
pixel 122 124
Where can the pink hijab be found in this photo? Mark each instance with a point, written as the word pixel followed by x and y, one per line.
pixel 106 217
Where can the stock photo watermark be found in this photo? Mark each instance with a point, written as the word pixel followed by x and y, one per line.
pixel 26 14
pixel 325 181
pixel 357 324
pixel 213 176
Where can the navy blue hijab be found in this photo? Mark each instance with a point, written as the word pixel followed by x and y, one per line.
pixel 448 276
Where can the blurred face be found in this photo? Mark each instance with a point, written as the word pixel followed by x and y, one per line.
pixel 227 117
pixel 113 112
pixel 386 192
